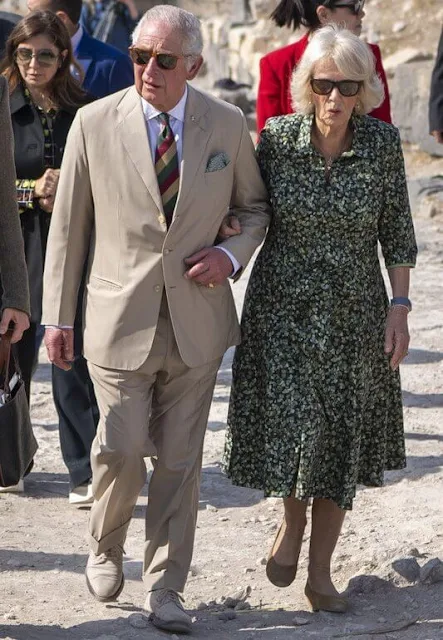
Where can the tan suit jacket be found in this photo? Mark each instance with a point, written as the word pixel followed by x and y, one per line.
pixel 108 205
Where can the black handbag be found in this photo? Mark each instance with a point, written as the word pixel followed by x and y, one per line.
pixel 17 441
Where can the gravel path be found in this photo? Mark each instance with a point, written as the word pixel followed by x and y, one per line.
pixel 387 540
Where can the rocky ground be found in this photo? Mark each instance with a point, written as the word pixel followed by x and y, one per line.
pixel 386 559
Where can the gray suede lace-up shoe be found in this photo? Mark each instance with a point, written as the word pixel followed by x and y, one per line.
pixel 167 611
pixel 104 574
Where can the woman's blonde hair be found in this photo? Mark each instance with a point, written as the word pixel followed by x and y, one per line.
pixel 352 57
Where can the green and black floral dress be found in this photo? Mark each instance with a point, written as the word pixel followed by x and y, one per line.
pixel 315 408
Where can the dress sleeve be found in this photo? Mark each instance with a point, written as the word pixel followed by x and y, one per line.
pixel 395 226
pixel 269 94
pixel 264 154
pixel 383 112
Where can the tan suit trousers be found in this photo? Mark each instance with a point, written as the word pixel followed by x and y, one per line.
pixel 160 410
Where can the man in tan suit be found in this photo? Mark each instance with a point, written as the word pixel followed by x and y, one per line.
pixel 159 312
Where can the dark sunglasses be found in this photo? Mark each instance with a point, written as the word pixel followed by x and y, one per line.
pixel 45 57
pixel 356 7
pixel 166 61
pixel 347 88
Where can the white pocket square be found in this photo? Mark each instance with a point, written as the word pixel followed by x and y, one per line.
pixel 217 162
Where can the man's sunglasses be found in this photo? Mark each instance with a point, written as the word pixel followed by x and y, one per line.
pixel 347 88
pixel 356 7
pixel 166 61
pixel 44 57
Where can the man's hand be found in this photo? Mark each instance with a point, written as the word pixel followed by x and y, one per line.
pixel 397 335
pixel 438 135
pixel 208 267
pixel 20 321
pixel 229 227
pixel 60 346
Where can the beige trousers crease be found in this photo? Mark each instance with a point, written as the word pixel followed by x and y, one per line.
pixel 161 410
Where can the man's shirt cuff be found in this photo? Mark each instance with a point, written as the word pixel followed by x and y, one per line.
pixel 236 266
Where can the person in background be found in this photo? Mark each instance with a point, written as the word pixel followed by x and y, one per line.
pixel 14 292
pixel 316 403
pixel 274 95
pixel 105 68
pixel 111 21
pixel 105 71
pixel 7 22
pixel 436 97
pixel 44 98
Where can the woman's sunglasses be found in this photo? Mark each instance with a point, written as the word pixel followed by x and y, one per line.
pixel 356 7
pixel 347 88
pixel 44 57
pixel 166 61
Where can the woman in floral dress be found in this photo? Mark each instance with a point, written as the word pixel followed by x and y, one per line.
pixel 316 401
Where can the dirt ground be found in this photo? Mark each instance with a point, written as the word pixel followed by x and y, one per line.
pixel 43 552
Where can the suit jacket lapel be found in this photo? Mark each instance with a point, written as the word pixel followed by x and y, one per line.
pixel 132 129
pixel 196 134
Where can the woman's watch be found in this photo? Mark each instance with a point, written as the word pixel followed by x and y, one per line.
pixel 401 302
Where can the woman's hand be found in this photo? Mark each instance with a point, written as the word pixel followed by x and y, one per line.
pixel 229 227
pixel 47 204
pixel 46 186
pixel 397 335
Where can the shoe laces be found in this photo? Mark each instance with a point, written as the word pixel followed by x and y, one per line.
pixel 114 553
pixel 169 595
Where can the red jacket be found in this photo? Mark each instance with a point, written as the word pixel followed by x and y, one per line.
pixel 275 75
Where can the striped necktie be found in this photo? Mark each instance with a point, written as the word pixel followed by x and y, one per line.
pixel 166 167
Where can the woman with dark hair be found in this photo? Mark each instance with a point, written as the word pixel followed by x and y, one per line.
pixel 44 97
pixel 276 68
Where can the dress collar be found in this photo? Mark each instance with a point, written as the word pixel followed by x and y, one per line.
pixel 359 147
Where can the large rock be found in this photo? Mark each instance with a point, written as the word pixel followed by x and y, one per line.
pixel 410 99
pixel 403 56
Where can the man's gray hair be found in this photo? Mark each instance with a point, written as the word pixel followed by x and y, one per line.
pixel 352 57
pixel 186 23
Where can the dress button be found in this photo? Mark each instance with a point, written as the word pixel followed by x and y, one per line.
pixel 157 288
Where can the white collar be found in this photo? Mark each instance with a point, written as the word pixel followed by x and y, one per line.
pixel 178 112
pixel 75 40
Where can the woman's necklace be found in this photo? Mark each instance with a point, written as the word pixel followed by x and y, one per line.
pixel 331 158
pixel 43 101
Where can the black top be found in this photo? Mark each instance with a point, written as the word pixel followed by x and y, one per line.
pixel 436 98
pixel 31 161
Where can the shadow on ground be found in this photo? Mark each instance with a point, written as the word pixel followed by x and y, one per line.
pixel 422 400
pixel 422 356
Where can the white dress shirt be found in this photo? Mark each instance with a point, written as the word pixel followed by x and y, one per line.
pixel 176 121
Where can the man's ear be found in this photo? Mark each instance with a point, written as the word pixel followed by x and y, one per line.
pixel 195 68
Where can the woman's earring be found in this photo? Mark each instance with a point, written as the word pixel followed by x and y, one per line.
pixel 358 107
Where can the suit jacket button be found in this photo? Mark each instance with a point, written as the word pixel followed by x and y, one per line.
pixel 157 288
